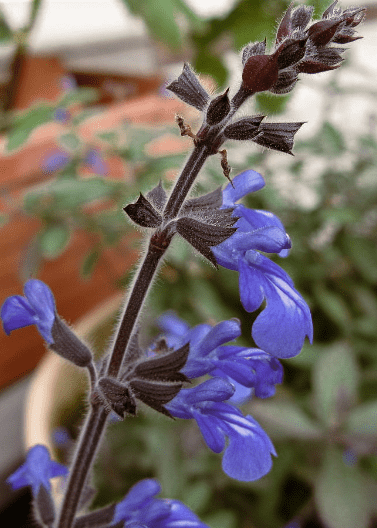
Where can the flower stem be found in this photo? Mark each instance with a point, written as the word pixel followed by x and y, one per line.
pixel 95 424
pixel 85 452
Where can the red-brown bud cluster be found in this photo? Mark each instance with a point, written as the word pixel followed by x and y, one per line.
pixel 301 46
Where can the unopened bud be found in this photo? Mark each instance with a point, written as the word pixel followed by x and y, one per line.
pixel 68 345
pixel 218 109
pixel 260 72
pixel 323 31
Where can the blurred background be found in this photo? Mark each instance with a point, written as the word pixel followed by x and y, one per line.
pixel 85 124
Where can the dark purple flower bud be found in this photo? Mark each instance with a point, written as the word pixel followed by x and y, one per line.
pixel 301 16
pixel 143 213
pixel 285 26
pixel 312 66
pixel 330 11
pixel 322 32
pixel 189 89
pixel 254 48
pixel 243 129
pixel 157 196
pixel 260 72
pixel 68 345
pixel 163 367
pixel 277 136
pixel 290 52
pixel 345 36
pixel 117 396
pixel 155 394
pixel 218 109
pixel 202 235
pixel 210 200
pixel 286 81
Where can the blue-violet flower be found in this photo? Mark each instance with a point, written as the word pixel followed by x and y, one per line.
pixel 247 455
pixel 37 307
pixel 280 329
pixel 140 508
pixel 250 367
pixel 37 470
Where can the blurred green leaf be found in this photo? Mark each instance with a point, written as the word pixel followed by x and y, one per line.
pixel 363 254
pixel 79 95
pixel 89 263
pixel 221 519
pixel 362 420
pixel 335 382
pixel 70 194
pixel 343 495
pixel 24 124
pixel 53 240
pixel 70 141
pixel 161 18
pixel 6 33
pixel 334 306
pixel 209 64
pixel 284 419
pixel 197 495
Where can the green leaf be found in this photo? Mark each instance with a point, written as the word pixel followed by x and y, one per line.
pixel 209 64
pixel 285 419
pixel 363 254
pixel 362 420
pixel 70 141
pixel 342 493
pixel 69 194
pixel 160 18
pixel 24 124
pixel 334 307
pixel 197 496
pixel 79 95
pixel 271 104
pixel 53 240
pixel 332 140
pixel 6 33
pixel 335 382
pixel 222 519
pixel 89 264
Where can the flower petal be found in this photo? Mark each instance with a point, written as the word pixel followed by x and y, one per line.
pixel 247 182
pixel 16 313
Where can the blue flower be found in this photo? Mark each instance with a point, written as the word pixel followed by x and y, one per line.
pixel 95 162
pixel 37 470
pixel 250 367
pixel 55 161
pixel 140 508
pixel 37 307
pixel 280 329
pixel 62 115
pixel 247 454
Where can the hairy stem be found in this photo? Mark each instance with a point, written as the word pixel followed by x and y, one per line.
pixel 95 424
pixel 84 456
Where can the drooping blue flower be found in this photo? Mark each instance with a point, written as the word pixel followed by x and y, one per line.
pixel 280 329
pixel 247 454
pixel 140 508
pixel 37 307
pixel 56 161
pixel 250 367
pixel 37 470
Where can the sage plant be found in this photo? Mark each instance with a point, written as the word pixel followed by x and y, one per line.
pixel 226 233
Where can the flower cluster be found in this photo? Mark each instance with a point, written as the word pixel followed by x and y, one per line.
pixel 300 47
